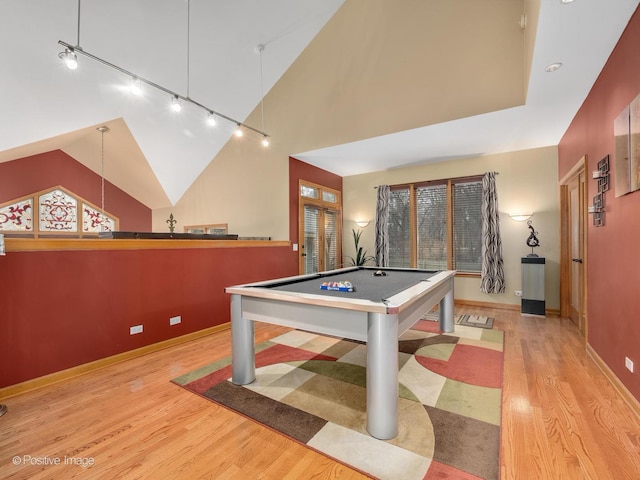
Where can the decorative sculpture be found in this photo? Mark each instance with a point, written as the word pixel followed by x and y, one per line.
pixel 172 223
pixel 532 240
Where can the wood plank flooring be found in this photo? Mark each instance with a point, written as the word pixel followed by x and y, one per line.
pixel 561 419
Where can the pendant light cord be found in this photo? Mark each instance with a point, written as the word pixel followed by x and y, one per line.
pixel 261 48
pixel 102 179
pixel 103 218
pixel 188 43
pixel 78 36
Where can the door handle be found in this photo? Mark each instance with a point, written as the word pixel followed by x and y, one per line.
pixel 577 260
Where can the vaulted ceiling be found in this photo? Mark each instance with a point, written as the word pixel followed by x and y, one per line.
pixel 382 83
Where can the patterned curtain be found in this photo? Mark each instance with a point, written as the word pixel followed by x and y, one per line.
pixel 382 226
pixel 492 275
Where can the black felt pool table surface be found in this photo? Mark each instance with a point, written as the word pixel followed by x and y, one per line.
pixel 367 285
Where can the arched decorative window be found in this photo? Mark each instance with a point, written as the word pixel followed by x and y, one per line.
pixel 54 212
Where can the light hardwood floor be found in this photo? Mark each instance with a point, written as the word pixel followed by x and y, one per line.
pixel 561 419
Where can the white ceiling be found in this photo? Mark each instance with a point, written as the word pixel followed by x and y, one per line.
pixel 45 106
pixel 41 98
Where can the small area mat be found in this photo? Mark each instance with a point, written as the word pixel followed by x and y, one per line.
pixel 468 320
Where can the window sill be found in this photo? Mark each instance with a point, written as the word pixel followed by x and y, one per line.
pixel 468 274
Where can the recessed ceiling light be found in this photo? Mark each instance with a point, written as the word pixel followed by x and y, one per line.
pixel 553 67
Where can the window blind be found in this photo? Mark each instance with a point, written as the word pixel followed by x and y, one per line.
pixel 399 228
pixel 467 226
pixel 331 233
pixel 311 238
pixel 431 218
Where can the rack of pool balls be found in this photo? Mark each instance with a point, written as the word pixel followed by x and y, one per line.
pixel 344 286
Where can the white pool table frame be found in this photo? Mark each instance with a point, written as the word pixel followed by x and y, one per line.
pixel 379 324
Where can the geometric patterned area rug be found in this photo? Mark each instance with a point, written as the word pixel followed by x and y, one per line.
pixel 468 320
pixel 311 388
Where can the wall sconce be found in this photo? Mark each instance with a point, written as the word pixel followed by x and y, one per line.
pixel 520 217
pixel 362 223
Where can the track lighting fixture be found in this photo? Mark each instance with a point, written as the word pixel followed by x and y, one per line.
pixel 69 57
pixel 176 98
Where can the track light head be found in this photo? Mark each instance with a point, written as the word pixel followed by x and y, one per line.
pixel 134 86
pixel 265 141
pixel 211 119
pixel 238 132
pixel 69 58
pixel 175 104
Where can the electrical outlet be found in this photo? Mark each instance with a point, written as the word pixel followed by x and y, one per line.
pixel 175 320
pixel 628 363
pixel 518 293
pixel 135 329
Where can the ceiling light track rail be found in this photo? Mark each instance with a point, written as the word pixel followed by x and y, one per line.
pixel 210 111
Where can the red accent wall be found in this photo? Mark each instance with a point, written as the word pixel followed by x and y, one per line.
pixel 60 309
pixel 303 171
pixel 32 174
pixel 613 263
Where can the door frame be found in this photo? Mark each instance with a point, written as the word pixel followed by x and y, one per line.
pixel 321 204
pixel 565 241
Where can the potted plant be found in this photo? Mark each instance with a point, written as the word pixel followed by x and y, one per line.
pixel 361 257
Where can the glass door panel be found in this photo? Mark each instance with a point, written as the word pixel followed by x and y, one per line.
pixel 331 237
pixel 311 239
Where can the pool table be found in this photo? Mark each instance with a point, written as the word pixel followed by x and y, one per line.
pixel 384 303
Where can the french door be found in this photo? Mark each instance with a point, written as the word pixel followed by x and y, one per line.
pixel 320 229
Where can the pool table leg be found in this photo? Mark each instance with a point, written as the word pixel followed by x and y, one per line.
pixel 446 312
pixel 243 352
pixel 382 375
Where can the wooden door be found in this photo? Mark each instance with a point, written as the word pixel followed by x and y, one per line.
pixel 573 249
pixel 576 222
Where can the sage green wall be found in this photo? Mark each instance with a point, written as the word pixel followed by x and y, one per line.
pixel 527 182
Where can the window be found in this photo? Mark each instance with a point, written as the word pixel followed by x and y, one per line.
pixel 437 225
pixel 211 229
pixel 54 212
